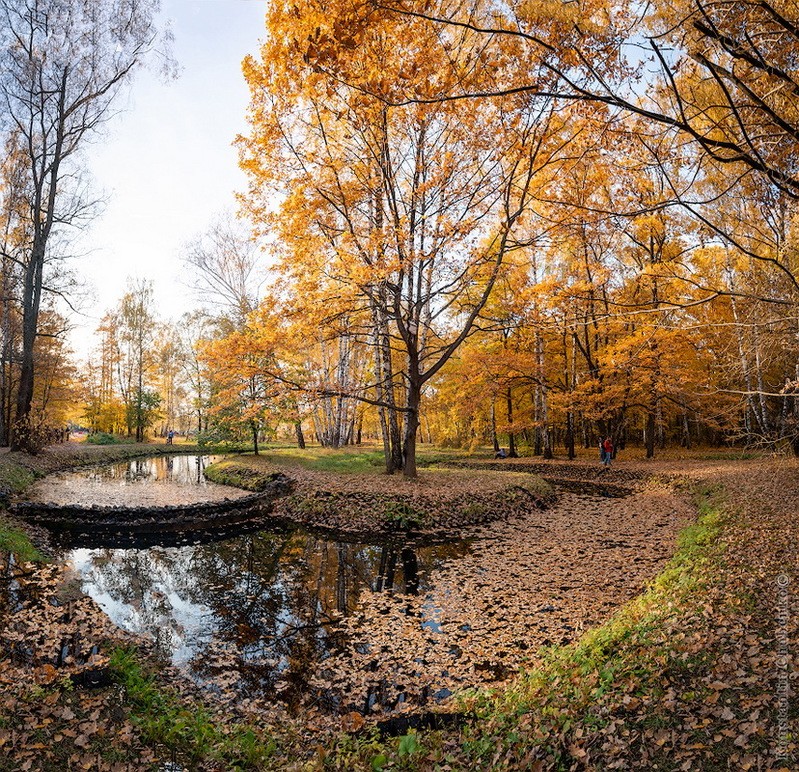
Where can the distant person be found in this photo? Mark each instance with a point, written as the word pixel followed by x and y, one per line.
pixel 601 450
pixel 607 447
pixel 169 437
pixel 501 453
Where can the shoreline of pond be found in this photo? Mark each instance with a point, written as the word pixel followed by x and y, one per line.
pixel 19 471
pixel 451 620
pixel 275 715
pixel 439 505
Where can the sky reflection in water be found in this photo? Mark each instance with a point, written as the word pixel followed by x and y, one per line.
pixel 253 613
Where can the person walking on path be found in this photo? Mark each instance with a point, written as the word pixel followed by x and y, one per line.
pixel 607 450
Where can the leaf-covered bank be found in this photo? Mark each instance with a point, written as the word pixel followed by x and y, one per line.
pixel 696 673
pixel 361 500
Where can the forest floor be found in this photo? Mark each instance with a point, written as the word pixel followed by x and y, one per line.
pixel 698 672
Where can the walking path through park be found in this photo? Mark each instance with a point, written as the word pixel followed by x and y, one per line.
pixel 700 679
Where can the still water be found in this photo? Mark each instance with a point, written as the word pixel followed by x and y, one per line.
pixel 256 613
pixel 159 481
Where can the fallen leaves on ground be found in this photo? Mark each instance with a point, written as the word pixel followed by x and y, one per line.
pixel 52 715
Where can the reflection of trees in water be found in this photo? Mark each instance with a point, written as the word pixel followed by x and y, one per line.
pixel 253 614
pixel 388 567
pixel 141 469
pixel 277 608
pixel 177 468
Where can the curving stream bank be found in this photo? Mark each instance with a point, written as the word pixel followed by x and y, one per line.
pixel 320 621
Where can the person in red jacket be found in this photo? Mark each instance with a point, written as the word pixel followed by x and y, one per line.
pixel 607 447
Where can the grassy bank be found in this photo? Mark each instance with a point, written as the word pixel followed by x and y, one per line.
pixel 187 730
pixel 14 541
pixel 351 459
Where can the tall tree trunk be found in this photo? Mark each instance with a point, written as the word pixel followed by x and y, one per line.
pixel 649 433
pixel 299 434
pixel 31 299
pixel 511 437
pixel 412 418
pixel 389 425
pixel 686 430
pixel 537 445
pixel 494 439
pixel 254 428
pixel 544 397
pixel 6 335
pixel 764 417
pixel 569 440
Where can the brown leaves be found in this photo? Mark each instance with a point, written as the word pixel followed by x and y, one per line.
pixel 534 579
pixel 48 640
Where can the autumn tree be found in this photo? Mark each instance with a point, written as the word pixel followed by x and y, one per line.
pixel 400 217
pixel 62 65
pixel 194 329
pixel 171 366
pixel 244 387
pixel 56 383
pixel 723 71
pixel 104 410
pixel 136 359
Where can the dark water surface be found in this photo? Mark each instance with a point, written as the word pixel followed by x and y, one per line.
pixel 256 612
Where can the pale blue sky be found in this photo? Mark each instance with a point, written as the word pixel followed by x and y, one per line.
pixel 166 162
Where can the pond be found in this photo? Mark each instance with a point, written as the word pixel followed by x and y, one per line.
pixel 157 481
pixel 252 613
pixel 320 623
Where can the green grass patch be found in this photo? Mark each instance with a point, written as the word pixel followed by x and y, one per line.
pixel 232 472
pixel 105 438
pixel 353 459
pixel 185 729
pixel 17 543
pixel 343 460
pixel 14 477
